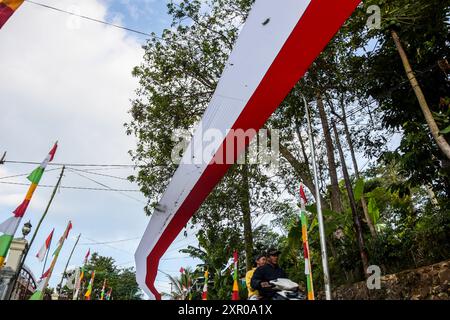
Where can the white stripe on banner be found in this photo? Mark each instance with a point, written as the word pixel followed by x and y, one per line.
pixel 9 227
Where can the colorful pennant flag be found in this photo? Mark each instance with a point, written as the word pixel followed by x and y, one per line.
pixel 304 222
pixel 10 226
pixel 45 247
pixel 84 264
pixel 45 278
pixel 235 294
pixel 81 277
pixel 102 294
pixel 86 257
pixel 7 9
pixel 90 286
pixel 205 286
pixel 303 199
pixel 70 228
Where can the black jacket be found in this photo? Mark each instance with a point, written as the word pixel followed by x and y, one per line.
pixel 266 273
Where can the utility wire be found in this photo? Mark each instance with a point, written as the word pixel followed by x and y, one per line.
pixel 100 174
pixel 78 164
pixel 107 245
pixel 174 258
pixel 73 188
pixel 90 19
pixel 109 242
pixel 104 185
pixel 26 174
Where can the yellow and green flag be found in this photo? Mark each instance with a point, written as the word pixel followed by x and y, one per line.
pixel 91 285
pixel 304 222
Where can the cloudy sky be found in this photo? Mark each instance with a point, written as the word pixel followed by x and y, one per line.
pixel 66 79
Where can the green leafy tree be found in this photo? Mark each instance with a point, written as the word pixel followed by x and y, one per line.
pixel 121 280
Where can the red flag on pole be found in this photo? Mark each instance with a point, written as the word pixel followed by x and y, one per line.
pixel 303 199
pixel 87 256
pixel 69 228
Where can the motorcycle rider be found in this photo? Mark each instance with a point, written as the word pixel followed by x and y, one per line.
pixel 259 262
pixel 264 274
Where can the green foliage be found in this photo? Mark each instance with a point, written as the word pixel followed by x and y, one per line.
pixel 359 189
pixel 423 30
pixel 374 212
pixel 121 280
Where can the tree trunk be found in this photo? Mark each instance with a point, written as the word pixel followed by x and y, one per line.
pixel 302 144
pixel 336 204
pixel 302 171
pixel 246 218
pixel 440 140
pixel 355 167
pixel 356 221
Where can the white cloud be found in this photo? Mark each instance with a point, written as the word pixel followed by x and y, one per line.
pixel 70 80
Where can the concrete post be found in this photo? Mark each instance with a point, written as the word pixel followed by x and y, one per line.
pixel 7 274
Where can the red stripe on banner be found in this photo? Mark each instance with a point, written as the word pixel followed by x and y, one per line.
pixel 5 13
pixel 20 211
pixel 315 29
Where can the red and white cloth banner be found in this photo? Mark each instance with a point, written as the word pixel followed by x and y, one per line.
pixel 278 43
pixel 46 246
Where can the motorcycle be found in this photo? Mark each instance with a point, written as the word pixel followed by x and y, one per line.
pixel 287 290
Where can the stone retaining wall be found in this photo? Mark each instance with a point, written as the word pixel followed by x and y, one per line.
pixel 430 282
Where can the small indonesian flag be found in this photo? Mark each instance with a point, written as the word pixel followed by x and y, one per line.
pixel 45 247
pixel 86 257
pixel 303 199
pixel 69 228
